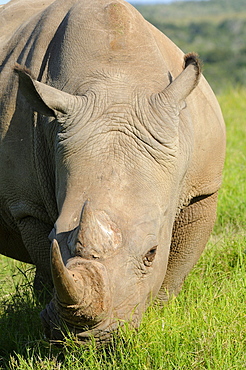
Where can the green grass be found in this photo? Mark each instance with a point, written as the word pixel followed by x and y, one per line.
pixel 232 201
pixel 203 328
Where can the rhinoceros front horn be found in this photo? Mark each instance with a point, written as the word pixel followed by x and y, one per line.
pixel 64 281
pixel 81 285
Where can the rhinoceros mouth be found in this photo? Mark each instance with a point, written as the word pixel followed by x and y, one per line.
pixel 56 329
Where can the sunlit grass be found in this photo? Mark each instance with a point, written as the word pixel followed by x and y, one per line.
pixel 232 197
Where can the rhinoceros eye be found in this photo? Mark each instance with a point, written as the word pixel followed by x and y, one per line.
pixel 150 256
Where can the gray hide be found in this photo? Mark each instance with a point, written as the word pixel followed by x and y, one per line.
pixel 111 154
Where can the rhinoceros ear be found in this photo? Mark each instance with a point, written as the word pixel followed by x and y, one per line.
pixel 184 84
pixel 43 98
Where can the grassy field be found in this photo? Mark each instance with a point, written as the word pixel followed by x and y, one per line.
pixel 203 328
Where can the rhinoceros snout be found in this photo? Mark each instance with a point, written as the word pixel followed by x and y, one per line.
pixel 81 295
pixel 56 329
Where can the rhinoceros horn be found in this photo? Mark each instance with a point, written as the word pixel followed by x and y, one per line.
pixel 64 281
pixel 80 283
pixel 97 235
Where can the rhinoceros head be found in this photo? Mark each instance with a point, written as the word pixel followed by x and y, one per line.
pixel 117 176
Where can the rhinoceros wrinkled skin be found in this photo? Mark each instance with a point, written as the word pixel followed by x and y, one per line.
pixel 112 148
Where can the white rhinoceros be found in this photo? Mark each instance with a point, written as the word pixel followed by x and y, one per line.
pixel 110 157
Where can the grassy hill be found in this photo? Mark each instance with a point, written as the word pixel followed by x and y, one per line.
pixel 215 29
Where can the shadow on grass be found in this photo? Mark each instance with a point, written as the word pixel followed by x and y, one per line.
pixel 19 324
pixel 21 329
